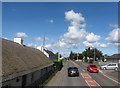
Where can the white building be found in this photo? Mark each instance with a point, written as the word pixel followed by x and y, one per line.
pixel 42 49
pixel 18 40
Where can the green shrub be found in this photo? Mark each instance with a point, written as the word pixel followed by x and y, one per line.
pixel 58 64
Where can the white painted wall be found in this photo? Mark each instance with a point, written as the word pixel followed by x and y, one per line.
pixel 18 40
pixel 37 75
pixel 42 50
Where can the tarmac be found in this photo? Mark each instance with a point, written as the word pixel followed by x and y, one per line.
pixel 112 74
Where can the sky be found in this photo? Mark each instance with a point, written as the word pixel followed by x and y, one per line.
pixel 67 26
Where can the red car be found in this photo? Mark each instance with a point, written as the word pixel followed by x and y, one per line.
pixel 92 68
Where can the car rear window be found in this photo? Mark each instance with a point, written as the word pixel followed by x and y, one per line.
pixel 93 66
pixel 73 69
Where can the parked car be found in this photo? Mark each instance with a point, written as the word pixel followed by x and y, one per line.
pixel 73 71
pixel 92 68
pixel 110 66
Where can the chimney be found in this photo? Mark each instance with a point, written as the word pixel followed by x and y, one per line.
pixel 18 40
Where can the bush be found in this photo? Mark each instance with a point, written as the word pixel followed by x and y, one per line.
pixel 58 64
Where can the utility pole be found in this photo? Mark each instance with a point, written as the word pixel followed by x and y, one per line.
pixel 58 51
pixel 43 43
pixel 94 55
pixel 77 56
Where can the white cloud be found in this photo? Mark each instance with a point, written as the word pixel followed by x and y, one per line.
pixel 4 37
pixel 51 21
pixel 49 46
pixel 118 44
pixel 21 34
pixel 32 45
pixel 113 36
pixel 38 39
pixel 74 17
pixel 75 31
pixel 114 25
pixel 95 44
pixel 103 45
pixel 92 38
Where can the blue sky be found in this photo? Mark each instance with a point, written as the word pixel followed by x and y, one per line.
pixel 34 20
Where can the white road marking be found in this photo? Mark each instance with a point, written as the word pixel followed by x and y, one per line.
pixel 110 78
pixel 97 83
pixel 83 70
pixel 82 75
pixel 87 83
pixel 100 71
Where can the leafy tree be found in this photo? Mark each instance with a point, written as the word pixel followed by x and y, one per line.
pixel 90 53
pixel 80 56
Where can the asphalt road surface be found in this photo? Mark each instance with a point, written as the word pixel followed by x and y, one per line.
pixel 86 79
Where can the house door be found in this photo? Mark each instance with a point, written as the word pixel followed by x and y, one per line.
pixel 23 81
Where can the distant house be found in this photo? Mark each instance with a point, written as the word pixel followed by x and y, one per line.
pixel 47 52
pixel 23 66
pixel 52 56
pixel 114 58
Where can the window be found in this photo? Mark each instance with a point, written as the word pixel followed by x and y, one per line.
pixel 17 80
pixel 113 64
pixel 32 77
pixel 6 86
pixel 109 64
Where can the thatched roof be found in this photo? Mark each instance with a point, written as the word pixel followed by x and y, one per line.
pixel 18 60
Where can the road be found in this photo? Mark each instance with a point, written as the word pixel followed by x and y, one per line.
pixel 85 79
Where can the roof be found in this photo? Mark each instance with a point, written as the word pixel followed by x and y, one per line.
pixel 52 56
pixel 18 60
pixel 114 56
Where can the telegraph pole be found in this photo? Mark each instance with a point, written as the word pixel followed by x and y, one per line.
pixel 94 54
pixel 43 43
pixel 58 50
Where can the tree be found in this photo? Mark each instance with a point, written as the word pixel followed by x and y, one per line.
pixel 90 53
pixel 80 56
pixel 73 56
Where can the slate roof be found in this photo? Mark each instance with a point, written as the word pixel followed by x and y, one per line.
pixel 114 56
pixel 18 60
pixel 52 56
